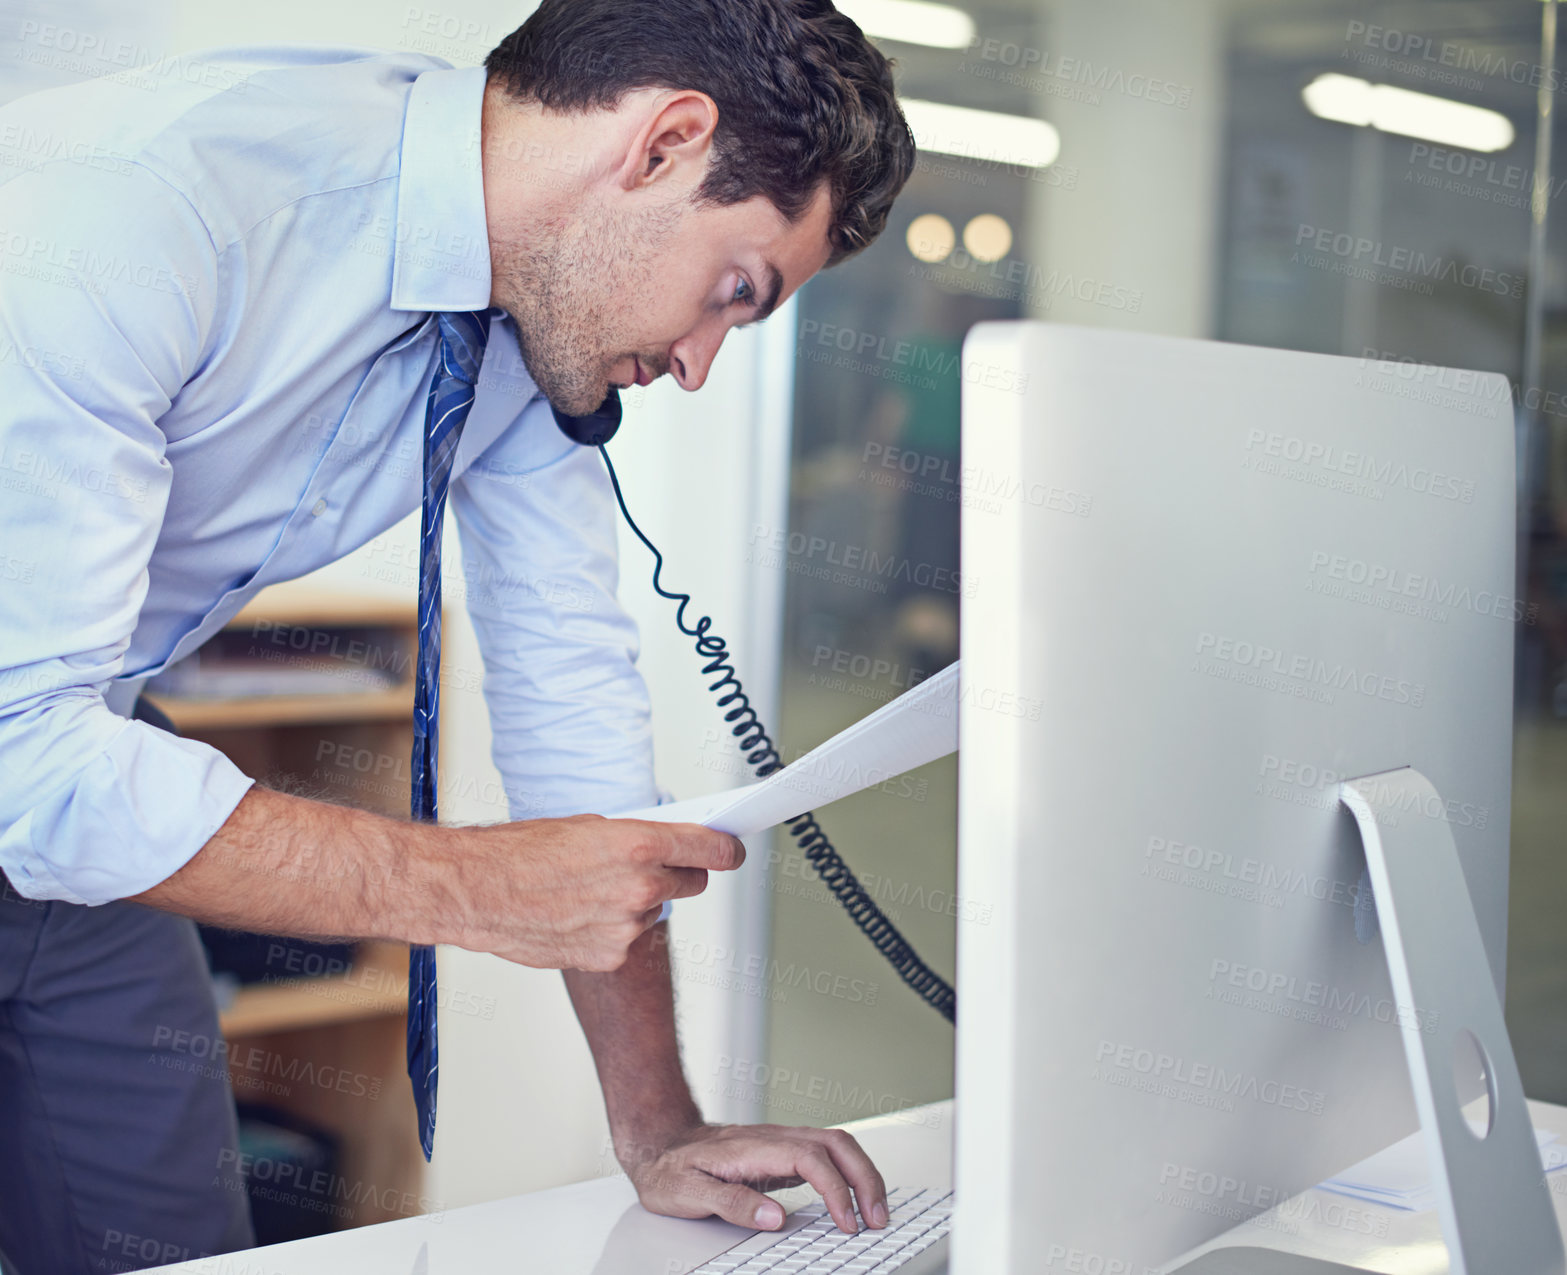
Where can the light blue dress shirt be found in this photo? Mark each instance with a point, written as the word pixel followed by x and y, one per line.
pixel 216 338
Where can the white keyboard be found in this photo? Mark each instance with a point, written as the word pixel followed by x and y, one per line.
pixel 913 1241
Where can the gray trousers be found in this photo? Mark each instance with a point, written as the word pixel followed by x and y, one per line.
pixel 117 1130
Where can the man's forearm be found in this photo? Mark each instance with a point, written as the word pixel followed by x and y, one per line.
pixel 569 893
pixel 286 865
pixel 628 1017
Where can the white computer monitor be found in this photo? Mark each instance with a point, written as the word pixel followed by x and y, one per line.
pixel 1206 583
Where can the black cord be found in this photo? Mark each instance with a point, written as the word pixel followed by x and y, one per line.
pixel 762 755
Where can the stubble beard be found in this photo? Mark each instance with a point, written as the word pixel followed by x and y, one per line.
pixel 568 289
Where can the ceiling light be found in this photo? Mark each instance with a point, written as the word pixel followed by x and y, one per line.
pixel 987 135
pixel 912 22
pixel 987 237
pixel 930 237
pixel 1349 100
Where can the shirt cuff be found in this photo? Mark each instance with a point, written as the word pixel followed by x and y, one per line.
pixel 132 818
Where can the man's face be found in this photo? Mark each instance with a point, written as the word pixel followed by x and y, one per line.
pixel 615 297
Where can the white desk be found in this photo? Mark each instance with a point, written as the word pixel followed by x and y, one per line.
pixel 597 1227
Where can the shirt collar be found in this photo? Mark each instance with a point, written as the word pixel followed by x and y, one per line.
pixel 442 256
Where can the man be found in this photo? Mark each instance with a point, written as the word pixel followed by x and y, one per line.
pixel 229 295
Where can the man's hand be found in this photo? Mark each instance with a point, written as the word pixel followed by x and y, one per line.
pixel 577 893
pixel 723 1170
pixel 554 893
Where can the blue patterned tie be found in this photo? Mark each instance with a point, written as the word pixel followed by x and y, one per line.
pixel 451 395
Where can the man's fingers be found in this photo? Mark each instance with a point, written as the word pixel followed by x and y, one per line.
pixel 693 1193
pixel 690 845
pixel 737 1203
pixel 685 883
pixel 770 1153
pixel 870 1191
pixel 817 1168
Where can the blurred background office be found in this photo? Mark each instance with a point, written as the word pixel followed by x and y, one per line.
pixel 1342 176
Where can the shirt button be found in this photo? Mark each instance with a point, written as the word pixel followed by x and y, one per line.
pixel 317 509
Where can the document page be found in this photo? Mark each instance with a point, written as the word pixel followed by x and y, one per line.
pixel 917 727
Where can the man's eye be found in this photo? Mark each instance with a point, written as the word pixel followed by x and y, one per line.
pixel 744 292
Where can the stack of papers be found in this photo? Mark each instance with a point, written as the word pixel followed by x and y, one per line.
pixel 1400 1177
pixel 917 727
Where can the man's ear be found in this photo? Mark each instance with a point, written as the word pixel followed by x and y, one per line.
pixel 673 142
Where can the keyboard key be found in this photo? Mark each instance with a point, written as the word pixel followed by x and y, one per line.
pixel 917 1220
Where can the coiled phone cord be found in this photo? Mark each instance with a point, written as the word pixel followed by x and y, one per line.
pixel 762 755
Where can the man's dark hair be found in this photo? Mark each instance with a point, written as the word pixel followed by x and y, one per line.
pixel 803 97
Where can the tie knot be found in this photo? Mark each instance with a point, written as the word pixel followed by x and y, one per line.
pixel 463 334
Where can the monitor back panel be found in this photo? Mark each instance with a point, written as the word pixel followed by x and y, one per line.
pixel 1204 582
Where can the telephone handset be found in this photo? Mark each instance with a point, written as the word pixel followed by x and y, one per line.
pixel 761 754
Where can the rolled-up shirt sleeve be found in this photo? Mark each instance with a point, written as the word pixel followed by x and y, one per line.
pixel 106 295
pixel 568 708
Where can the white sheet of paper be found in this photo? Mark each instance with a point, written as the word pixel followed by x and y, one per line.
pixel 1399 1176
pixel 917 727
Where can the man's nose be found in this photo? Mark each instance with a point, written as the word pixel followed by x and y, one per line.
pixel 691 357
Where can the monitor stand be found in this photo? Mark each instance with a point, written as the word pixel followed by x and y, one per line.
pixel 1495 1207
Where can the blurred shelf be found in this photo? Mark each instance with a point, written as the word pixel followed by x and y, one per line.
pixel 295 603
pixel 376 984
pixel 392 704
pixel 292 606
pixel 330 1049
